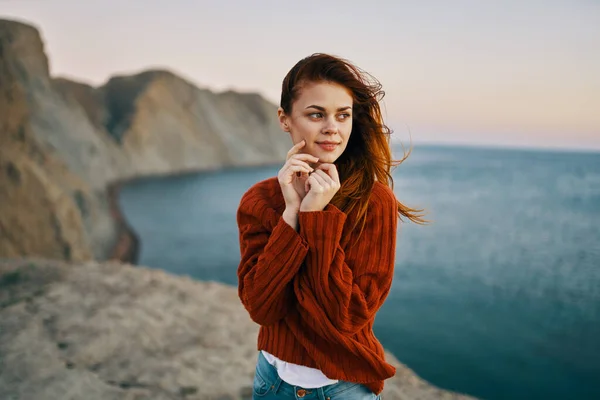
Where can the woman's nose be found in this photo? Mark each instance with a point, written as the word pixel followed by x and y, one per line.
pixel 330 126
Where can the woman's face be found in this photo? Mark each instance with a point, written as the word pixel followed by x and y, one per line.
pixel 321 115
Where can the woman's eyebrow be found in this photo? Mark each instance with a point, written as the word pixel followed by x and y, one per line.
pixel 323 109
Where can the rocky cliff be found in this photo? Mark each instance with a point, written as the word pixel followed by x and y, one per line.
pixel 104 331
pixel 43 203
pixel 64 142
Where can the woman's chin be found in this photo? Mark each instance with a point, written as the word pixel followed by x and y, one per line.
pixel 327 158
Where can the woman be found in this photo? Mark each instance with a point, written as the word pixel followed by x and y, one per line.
pixel 318 241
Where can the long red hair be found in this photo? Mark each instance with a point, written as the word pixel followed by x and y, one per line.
pixel 368 156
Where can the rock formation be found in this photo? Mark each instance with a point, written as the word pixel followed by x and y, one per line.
pixel 42 203
pixel 69 141
pixel 104 331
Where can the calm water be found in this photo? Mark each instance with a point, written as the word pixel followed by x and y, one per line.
pixel 499 297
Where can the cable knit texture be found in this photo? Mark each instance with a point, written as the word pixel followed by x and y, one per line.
pixel 315 292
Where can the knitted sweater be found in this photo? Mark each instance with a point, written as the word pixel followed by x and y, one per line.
pixel 315 292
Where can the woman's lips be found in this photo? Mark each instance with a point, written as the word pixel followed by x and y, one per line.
pixel 328 146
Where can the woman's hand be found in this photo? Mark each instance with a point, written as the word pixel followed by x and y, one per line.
pixel 321 186
pixel 292 185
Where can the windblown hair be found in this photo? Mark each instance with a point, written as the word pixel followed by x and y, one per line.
pixel 368 156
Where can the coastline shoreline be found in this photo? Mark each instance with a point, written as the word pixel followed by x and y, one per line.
pixel 128 244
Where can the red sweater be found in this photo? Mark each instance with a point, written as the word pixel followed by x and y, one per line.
pixel 315 294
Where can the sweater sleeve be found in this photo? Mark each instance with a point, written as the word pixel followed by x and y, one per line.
pixel 330 295
pixel 269 261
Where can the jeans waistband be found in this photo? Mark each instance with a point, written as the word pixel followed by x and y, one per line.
pixel 269 374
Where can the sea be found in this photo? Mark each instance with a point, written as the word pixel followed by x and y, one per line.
pixel 497 297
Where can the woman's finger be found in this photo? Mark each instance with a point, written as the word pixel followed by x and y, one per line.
pixel 331 170
pixel 326 182
pixel 307 168
pixel 295 161
pixel 295 149
pixel 295 169
pixel 304 157
pixel 312 184
pixel 317 175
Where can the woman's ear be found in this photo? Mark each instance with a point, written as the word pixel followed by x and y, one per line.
pixel 283 119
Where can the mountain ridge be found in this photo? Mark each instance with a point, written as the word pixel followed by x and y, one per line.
pixel 153 122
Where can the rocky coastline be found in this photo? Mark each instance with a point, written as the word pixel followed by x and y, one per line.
pixel 127 243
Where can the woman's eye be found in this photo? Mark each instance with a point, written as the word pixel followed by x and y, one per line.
pixel 343 116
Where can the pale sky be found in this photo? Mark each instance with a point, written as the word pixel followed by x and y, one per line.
pixel 510 73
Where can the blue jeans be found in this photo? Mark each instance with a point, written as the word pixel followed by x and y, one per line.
pixel 268 385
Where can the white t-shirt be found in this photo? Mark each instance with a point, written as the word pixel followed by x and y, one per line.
pixel 298 375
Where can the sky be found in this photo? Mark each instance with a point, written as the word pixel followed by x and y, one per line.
pixel 503 73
